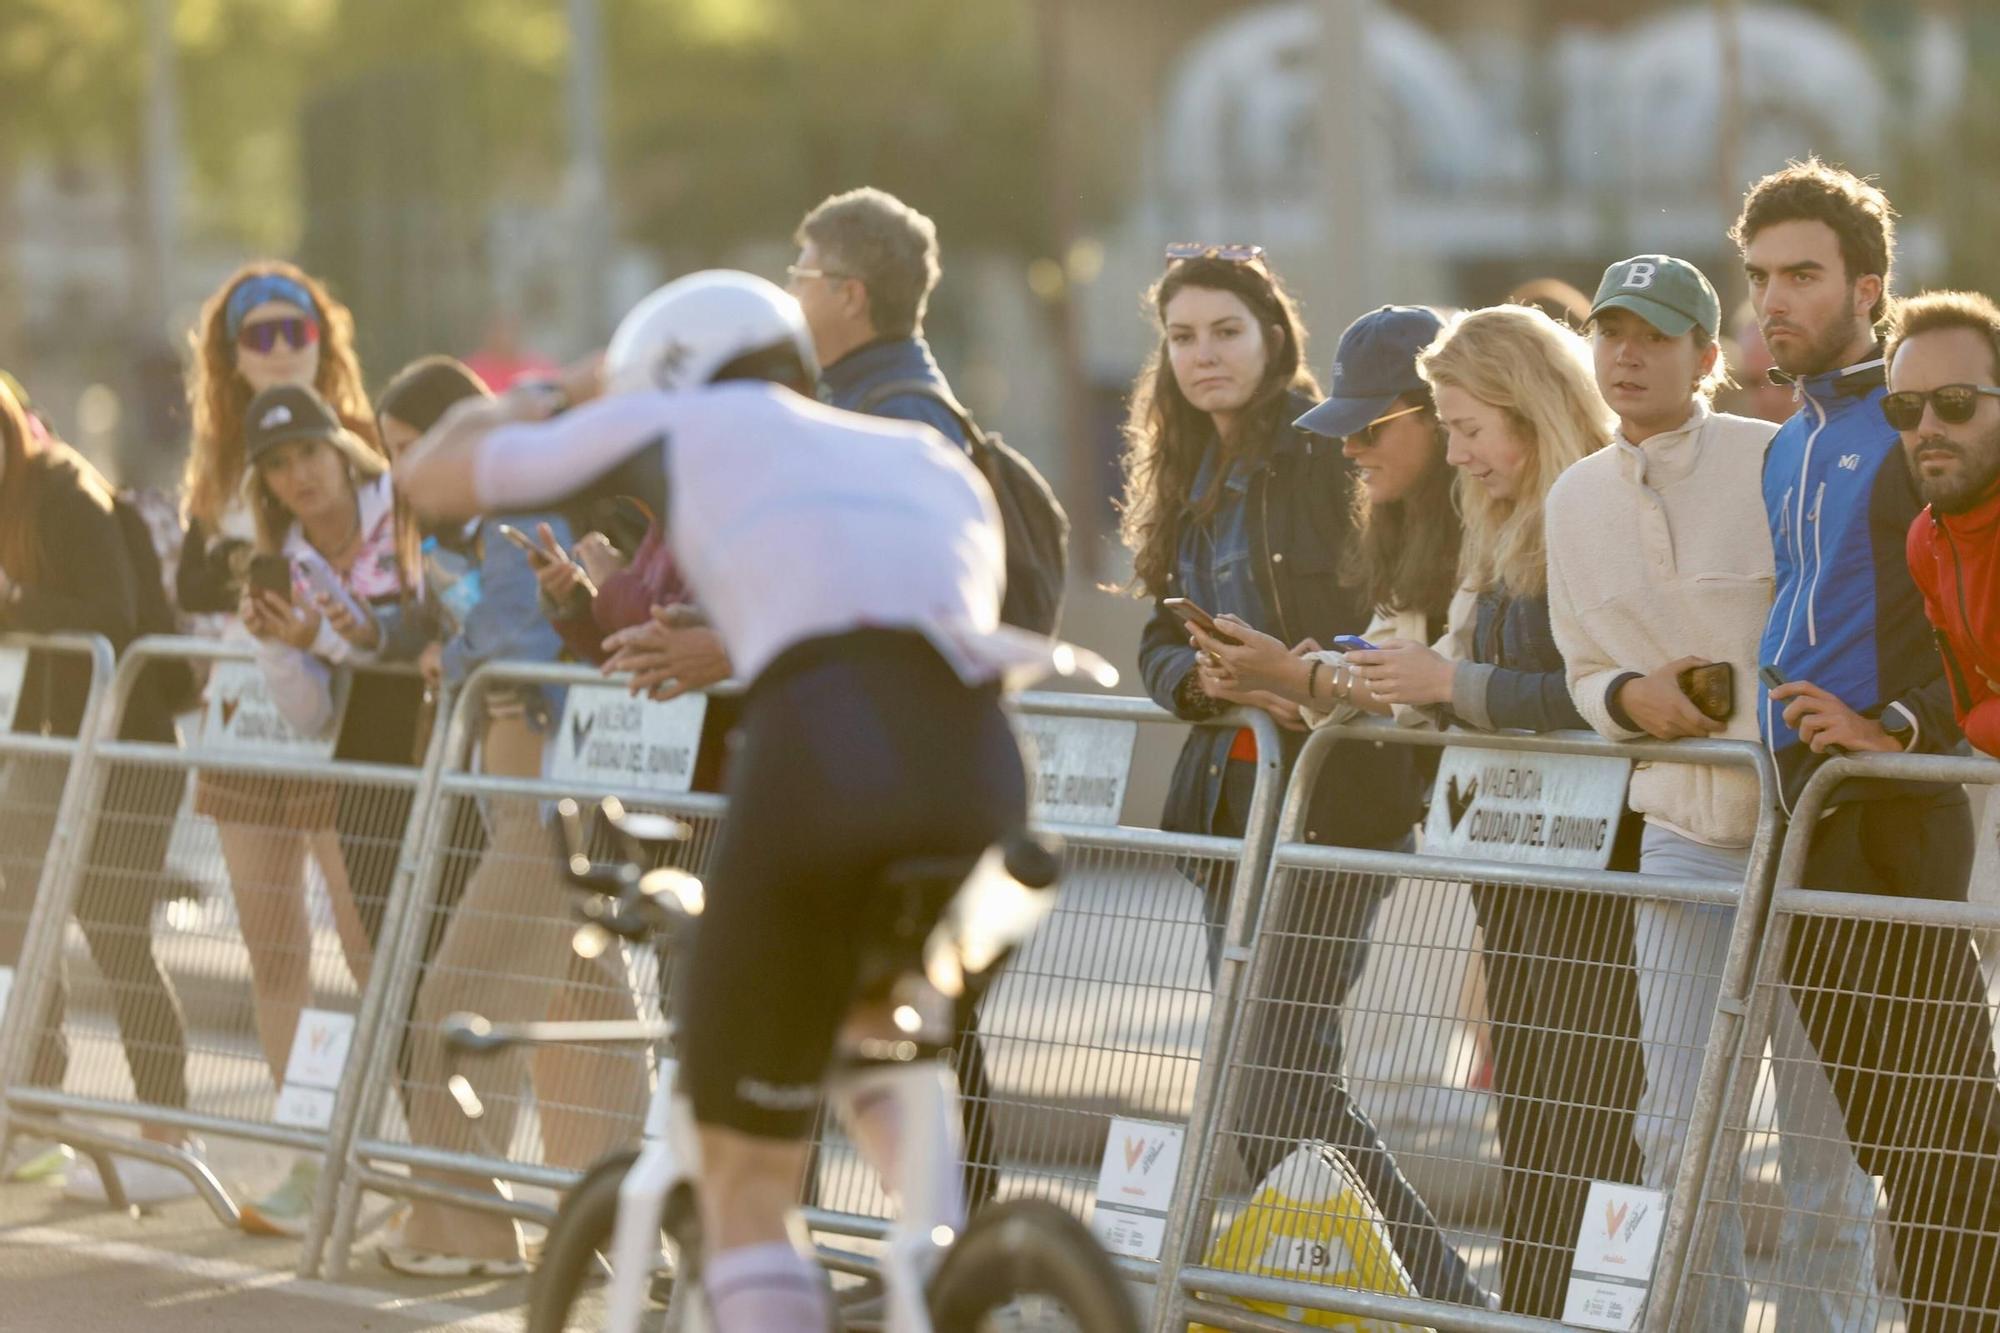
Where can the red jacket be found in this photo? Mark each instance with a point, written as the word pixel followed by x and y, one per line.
pixel 1955 560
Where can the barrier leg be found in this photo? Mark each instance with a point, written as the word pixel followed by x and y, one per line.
pixel 391 985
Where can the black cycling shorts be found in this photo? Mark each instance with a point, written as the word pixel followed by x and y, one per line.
pixel 857 750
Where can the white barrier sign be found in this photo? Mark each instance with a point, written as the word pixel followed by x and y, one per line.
pixel 1615 1248
pixel 1135 1182
pixel 1544 809
pixel 13 676
pixel 312 1074
pixel 1078 768
pixel 242 715
pixel 610 737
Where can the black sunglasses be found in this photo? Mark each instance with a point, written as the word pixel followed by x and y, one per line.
pixel 1232 254
pixel 1953 403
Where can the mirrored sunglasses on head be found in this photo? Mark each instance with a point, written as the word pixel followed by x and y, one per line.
pixel 1230 254
pixel 1953 403
pixel 263 336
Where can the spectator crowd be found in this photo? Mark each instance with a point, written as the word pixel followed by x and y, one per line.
pixel 1523 523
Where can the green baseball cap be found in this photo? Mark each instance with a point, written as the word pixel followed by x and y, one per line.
pixel 1670 294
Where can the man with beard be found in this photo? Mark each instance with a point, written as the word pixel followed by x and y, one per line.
pixel 1944 359
pixel 1896 1011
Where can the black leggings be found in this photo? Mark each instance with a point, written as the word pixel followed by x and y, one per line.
pixel 123 869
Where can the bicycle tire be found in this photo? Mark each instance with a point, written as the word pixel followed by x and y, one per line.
pixel 1029 1247
pixel 580 1233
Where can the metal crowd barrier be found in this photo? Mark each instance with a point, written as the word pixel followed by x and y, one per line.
pixel 288 871
pixel 1133 1038
pixel 42 796
pixel 485 900
pixel 1891 993
pixel 1110 1013
pixel 1563 988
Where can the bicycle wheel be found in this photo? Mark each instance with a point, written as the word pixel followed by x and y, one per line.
pixel 565 1296
pixel 1027 1264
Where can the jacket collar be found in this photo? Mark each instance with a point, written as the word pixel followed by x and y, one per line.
pixel 1668 455
pixel 1856 381
pixel 1975 524
pixel 847 381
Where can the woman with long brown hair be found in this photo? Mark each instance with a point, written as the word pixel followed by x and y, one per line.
pixel 65 567
pixel 1229 506
pixel 270 324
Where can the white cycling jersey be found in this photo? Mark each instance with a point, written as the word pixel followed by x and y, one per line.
pixel 791 520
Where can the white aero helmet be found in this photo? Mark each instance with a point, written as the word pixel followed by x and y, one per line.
pixel 678 337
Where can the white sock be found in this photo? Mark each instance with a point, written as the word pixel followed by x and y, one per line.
pixel 766 1289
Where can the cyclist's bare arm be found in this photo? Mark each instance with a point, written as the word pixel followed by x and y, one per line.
pixel 510 453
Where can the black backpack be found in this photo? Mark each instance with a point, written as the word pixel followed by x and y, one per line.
pixel 1037 529
pixel 173 682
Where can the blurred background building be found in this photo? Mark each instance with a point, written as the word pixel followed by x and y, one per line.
pixel 505 176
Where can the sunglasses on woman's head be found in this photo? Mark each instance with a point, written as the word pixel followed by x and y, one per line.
pixel 1953 403
pixel 1231 254
pixel 263 336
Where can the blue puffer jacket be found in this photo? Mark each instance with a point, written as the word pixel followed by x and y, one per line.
pixel 1847 617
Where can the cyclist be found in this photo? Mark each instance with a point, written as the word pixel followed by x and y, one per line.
pixel 853 568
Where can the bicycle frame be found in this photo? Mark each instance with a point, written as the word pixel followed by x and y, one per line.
pixel 923 1177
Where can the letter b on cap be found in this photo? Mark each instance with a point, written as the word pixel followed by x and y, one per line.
pixel 1640 275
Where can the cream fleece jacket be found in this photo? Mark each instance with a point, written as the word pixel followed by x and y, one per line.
pixel 1659 551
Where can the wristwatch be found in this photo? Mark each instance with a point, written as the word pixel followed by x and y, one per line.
pixel 1897 724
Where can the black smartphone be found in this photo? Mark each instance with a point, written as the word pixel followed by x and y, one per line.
pixel 1773 678
pixel 272 574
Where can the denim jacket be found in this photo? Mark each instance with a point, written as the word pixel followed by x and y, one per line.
pixel 1512 678
pixel 1299 512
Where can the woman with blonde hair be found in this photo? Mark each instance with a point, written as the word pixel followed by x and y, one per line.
pixel 1518 399
pixel 270 324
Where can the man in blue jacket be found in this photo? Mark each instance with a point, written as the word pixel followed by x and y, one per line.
pixel 1897 1012
pixel 867 265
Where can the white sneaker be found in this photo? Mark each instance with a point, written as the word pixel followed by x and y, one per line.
pixel 146 1184
pixel 286 1209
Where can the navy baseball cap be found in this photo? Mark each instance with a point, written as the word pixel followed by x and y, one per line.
pixel 1375 364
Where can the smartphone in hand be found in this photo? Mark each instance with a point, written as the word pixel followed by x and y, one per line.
pixel 1773 678
pixel 1194 615
pixel 1352 643
pixel 536 555
pixel 272 574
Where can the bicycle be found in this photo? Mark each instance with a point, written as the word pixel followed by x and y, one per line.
pixel 947 924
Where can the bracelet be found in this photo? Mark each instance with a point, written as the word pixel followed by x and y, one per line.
pixel 1312 679
pixel 1344 682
